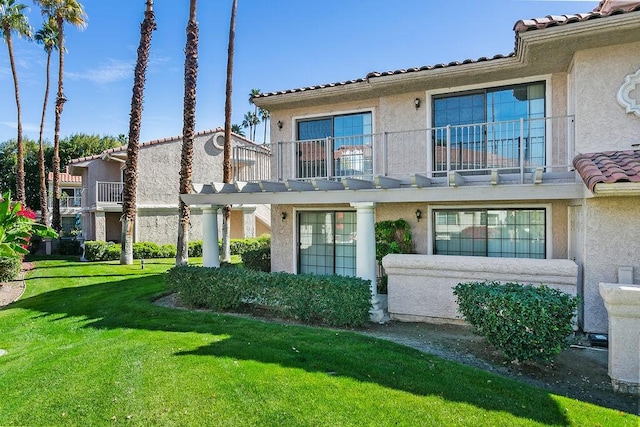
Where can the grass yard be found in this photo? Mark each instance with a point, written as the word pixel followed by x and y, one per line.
pixel 86 346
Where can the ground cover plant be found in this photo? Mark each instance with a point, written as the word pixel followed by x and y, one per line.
pixel 87 346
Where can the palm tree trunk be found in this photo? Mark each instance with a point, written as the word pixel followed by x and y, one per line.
pixel 44 209
pixel 226 165
pixel 60 100
pixel 131 170
pixel 188 133
pixel 20 193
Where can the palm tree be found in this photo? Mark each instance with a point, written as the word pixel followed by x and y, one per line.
pixel 188 131
pixel 72 12
pixel 251 121
pixel 256 117
pixel 48 37
pixel 131 170
pixel 264 116
pixel 226 165
pixel 237 129
pixel 13 19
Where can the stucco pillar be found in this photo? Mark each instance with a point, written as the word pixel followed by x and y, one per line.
pixel 248 221
pixel 100 226
pixel 210 251
pixel 366 253
pixel 623 305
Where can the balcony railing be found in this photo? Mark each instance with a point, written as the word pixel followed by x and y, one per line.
pixel 109 192
pixel 68 202
pixel 518 147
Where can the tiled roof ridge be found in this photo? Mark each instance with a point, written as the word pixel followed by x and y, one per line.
pixel 520 26
pixel 154 142
pixel 608 167
pixel 65 177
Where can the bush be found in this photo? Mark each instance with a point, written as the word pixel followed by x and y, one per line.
pixel 168 251
pixel 524 321
pixel 241 246
pixel 147 250
pixel 328 300
pixel 69 247
pixel 9 268
pixel 101 251
pixel 195 249
pixel 257 259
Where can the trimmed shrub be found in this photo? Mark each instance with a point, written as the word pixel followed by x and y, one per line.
pixel 168 251
pixel 9 268
pixel 147 250
pixel 525 322
pixel 101 251
pixel 68 246
pixel 326 300
pixel 241 246
pixel 195 249
pixel 257 259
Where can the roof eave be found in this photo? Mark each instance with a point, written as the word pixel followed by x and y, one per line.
pixel 616 189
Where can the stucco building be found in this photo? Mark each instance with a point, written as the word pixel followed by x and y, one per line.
pixel 157 188
pixel 521 167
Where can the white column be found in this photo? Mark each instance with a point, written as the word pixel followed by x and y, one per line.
pixel 366 254
pixel 248 221
pixel 210 252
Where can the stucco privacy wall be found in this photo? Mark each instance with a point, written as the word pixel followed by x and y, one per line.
pixel 598 75
pixel 610 241
pixel 421 286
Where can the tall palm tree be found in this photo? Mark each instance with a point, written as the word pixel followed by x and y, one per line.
pixel 256 117
pixel 251 121
pixel 13 19
pixel 226 165
pixel 48 37
pixel 264 116
pixel 237 129
pixel 131 170
pixel 72 12
pixel 188 133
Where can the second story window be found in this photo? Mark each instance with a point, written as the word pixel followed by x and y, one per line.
pixel 490 128
pixel 334 146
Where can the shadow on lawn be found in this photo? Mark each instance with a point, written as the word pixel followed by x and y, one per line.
pixel 128 304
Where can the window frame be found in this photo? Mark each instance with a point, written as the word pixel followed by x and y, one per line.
pixel 431 95
pixel 548 226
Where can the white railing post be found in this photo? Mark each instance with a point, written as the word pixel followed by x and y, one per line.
pixel 448 148
pixel 521 143
pixel 329 157
pixel 385 154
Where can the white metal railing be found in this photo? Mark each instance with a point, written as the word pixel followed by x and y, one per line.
pixel 517 146
pixel 71 201
pixel 251 163
pixel 109 192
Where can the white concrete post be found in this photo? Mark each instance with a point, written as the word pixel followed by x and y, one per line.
pixel 248 221
pixel 623 305
pixel 366 253
pixel 210 251
pixel 100 226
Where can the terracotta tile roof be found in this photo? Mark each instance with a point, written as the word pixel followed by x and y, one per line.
pixel 608 167
pixel 604 9
pixel 123 148
pixel 66 178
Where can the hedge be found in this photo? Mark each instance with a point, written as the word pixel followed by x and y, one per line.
pixel 525 322
pixel 9 268
pixel 312 299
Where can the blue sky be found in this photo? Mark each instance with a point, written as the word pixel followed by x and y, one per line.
pixel 280 44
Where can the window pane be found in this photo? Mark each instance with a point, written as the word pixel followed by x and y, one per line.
pixel 327 243
pixel 518 233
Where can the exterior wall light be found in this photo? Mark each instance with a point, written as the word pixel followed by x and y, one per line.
pixel 418 215
pixel 416 102
pixel 283 215
pixel 279 124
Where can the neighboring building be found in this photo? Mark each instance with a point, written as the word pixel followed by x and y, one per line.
pixel 70 202
pixel 478 156
pixel 157 189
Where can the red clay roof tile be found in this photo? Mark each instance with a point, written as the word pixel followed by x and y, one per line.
pixel 608 167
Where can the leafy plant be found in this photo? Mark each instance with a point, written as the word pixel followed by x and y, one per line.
pixel 17 225
pixel 525 322
pixel 257 259
pixel 392 237
pixel 9 268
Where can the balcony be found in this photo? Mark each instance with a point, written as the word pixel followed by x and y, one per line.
pixel 67 202
pixel 109 193
pixel 519 151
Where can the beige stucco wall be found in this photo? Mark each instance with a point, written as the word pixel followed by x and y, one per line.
pixel 601 122
pixel 611 236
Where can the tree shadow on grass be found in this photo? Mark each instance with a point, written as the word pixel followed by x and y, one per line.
pixel 128 304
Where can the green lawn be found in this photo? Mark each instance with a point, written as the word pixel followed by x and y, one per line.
pixel 86 346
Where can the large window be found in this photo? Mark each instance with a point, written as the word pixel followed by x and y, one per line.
pixel 327 242
pixel 516 233
pixel 348 150
pixel 491 128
